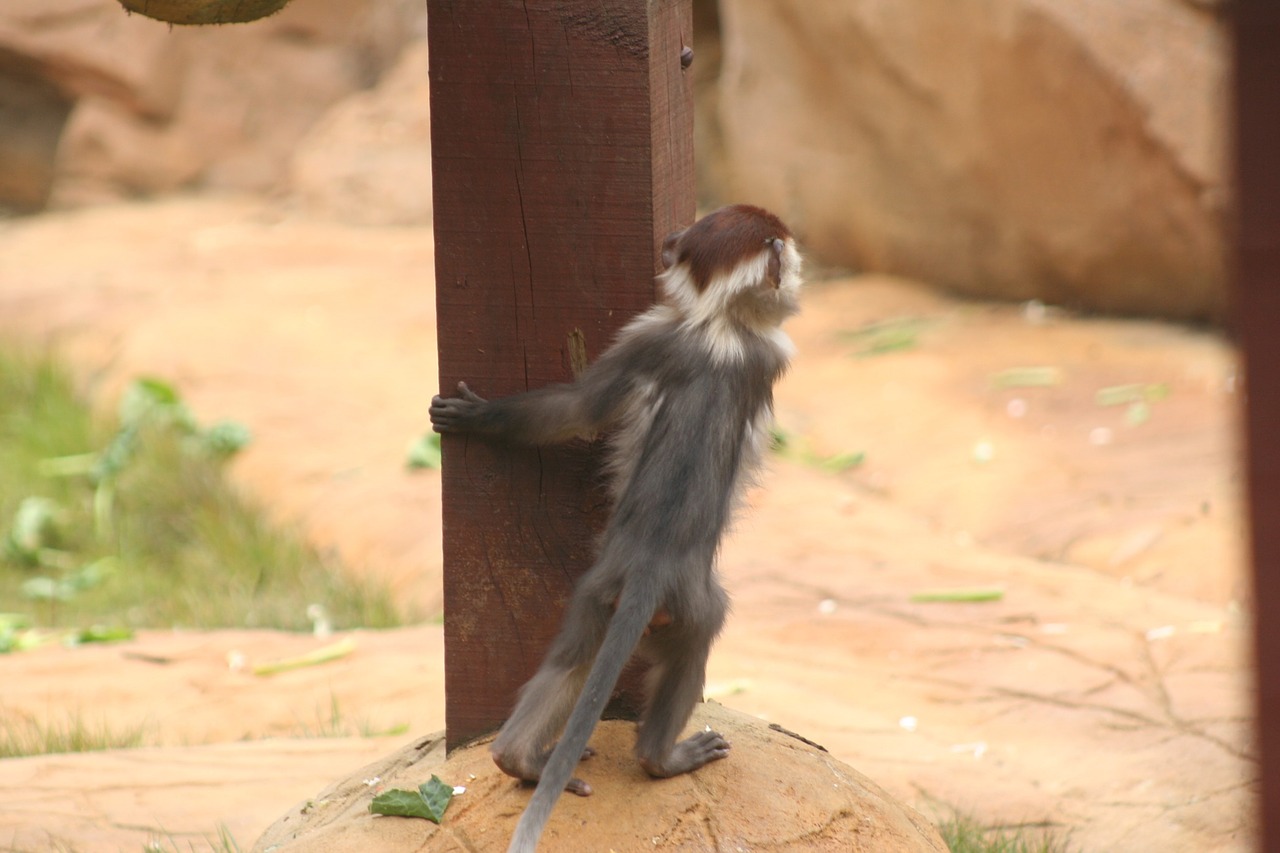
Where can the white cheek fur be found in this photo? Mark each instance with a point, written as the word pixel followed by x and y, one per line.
pixel 709 310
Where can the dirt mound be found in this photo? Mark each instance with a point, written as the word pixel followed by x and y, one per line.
pixel 774 792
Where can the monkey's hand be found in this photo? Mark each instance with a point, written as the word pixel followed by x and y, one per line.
pixel 457 414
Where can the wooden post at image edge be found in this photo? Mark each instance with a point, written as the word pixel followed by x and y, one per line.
pixel 1256 114
pixel 562 147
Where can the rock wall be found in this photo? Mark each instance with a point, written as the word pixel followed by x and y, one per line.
pixel 103 104
pixel 1065 150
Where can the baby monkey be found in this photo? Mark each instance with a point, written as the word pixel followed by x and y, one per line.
pixel 686 397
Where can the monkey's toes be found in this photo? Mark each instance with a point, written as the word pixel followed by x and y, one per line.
pixel 579 787
pixel 700 749
pixel 711 744
pixel 689 754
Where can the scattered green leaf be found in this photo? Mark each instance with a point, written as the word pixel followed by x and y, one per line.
pixel 77 465
pixel 1119 395
pixel 35 526
pixel 424 452
pixel 324 654
pixel 842 461
pixel 100 634
pixel 797 449
pixel 93 574
pixel 1027 377
pixel 21 641
pixel 115 456
pixel 437 794
pixel 16 634
pixel 226 438
pixel 885 336
pixel 428 802
pixel 973 594
pixel 9 641
pixel 47 589
pixel 1138 412
pixel 148 399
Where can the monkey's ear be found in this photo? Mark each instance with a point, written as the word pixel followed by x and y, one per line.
pixel 669 245
pixel 774 271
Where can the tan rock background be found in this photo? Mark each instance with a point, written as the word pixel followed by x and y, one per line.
pixel 1066 151
pixel 1070 152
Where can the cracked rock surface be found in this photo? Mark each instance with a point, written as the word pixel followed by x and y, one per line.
pixel 1104 693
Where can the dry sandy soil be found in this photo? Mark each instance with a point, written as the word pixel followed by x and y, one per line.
pixel 1106 692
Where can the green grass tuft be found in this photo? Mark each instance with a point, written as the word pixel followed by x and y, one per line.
pixel 964 834
pixel 225 842
pixel 22 735
pixel 182 547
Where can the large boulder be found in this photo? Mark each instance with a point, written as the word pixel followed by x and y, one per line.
pixel 123 105
pixel 774 792
pixel 1066 151
pixel 367 161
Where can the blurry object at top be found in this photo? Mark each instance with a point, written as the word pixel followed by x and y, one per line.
pixel 204 11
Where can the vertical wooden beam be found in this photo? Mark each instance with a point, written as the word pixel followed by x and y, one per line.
pixel 1257 302
pixel 562 148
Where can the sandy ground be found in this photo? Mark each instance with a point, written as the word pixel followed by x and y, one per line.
pixel 1105 693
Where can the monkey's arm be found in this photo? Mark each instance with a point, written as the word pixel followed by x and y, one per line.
pixel 546 416
pixel 549 415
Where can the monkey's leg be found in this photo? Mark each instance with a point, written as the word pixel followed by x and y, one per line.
pixel 525 742
pixel 676 681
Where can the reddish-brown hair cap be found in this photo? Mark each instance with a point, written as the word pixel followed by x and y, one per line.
pixel 725 238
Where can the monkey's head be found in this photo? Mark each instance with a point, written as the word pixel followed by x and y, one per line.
pixel 738 263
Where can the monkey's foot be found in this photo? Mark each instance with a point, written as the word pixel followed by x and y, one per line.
pixel 689 754
pixel 530 771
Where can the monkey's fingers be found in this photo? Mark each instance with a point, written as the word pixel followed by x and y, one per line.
pixel 469 395
pixel 441 419
pixel 447 414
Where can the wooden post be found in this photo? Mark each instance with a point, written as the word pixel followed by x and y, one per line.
pixel 562 147
pixel 1257 301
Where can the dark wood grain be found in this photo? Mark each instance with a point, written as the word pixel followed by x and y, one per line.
pixel 562 155
pixel 1257 300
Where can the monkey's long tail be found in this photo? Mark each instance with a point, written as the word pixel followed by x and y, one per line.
pixel 635 608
